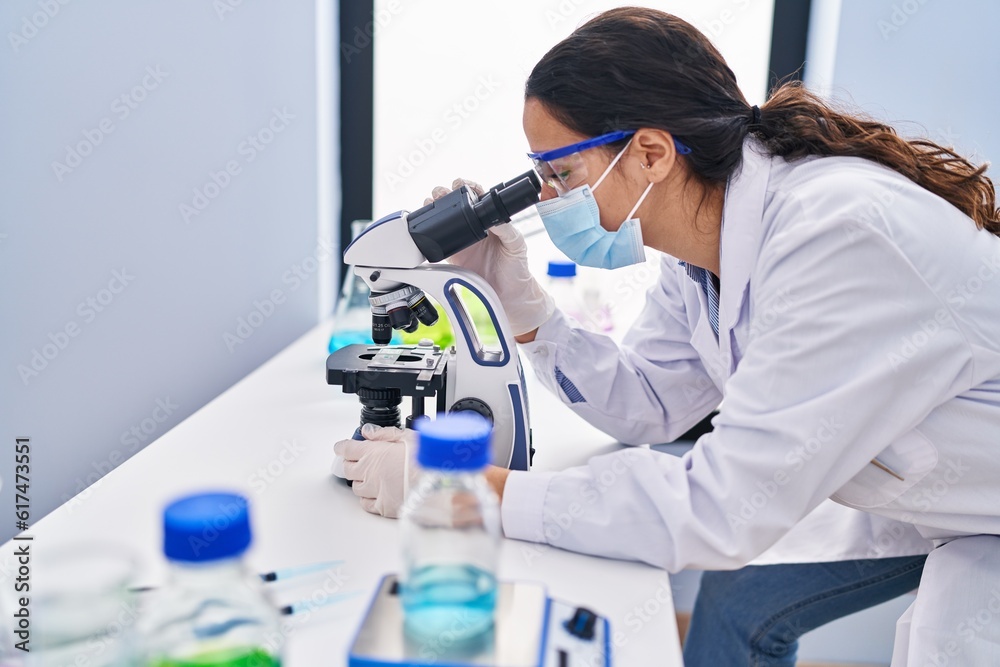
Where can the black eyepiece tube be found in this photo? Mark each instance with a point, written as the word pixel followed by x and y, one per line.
pixel 459 219
pixel 507 199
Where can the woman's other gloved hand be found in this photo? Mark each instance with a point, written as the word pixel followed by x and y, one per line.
pixel 381 467
pixel 502 260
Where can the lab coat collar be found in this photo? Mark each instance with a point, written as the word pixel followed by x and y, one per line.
pixel 693 272
pixel 742 216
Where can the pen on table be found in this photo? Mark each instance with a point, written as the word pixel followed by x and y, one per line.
pixel 299 570
pixel 276 575
pixel 309 605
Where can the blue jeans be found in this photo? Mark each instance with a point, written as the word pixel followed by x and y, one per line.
pixel 754 616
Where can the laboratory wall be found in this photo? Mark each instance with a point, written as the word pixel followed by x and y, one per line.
pixel 928 67
pixel 163 207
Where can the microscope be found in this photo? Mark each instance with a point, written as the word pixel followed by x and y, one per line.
pixel 397 257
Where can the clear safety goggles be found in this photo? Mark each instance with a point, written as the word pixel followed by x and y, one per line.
pixel 563 169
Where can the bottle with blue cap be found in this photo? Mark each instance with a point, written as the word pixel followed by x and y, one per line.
pixel 561 286
pixel 213 611
pixel 451 533
pixel 583 301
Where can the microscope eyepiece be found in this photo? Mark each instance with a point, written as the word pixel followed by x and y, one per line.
pixel 460 218
pixel 507 199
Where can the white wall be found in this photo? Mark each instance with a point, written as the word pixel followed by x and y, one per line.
pixel 120 307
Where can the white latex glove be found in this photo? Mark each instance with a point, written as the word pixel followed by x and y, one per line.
pixel 502 259
pixel 381 467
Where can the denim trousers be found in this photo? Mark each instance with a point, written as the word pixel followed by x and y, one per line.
pixel 754 616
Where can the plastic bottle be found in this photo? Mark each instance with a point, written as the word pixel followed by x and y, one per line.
pixel 580 300
pixel 592 289
pixel 451 533
pixel 212 612
pixel 561 285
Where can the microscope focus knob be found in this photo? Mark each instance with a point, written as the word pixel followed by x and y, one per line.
pixel 473 405
pixel 582 623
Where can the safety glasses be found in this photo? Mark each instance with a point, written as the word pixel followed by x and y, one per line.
pixel 563 169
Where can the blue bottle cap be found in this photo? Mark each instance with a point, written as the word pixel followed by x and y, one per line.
pixel 459 441
pixel 561 269
pixel 206 527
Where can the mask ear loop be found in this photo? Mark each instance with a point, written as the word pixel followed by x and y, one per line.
pixel 608 171
pixel 611 166
pixel 639 203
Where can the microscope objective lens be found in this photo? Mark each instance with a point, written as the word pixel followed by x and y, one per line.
pixel 425 312
pixel 381 329
pixel 400 316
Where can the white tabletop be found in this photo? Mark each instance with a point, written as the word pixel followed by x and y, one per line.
pixel 271 437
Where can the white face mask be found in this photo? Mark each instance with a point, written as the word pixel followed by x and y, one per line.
pixel 573 222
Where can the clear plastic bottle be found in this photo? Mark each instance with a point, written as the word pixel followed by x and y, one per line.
pixel 561 285
pixel 213 611
pixel 451 533
pixel 582 301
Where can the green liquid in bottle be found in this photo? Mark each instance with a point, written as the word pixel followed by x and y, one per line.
pixel 254 657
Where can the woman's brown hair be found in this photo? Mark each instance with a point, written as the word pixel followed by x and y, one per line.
pixel 632 67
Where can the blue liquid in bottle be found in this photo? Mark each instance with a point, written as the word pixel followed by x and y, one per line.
pixel 454 599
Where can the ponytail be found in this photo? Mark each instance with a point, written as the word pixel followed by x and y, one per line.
pixel 795 123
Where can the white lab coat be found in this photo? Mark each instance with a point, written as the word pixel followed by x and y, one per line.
pixel 859 317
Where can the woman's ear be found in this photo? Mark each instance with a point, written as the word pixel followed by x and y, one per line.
pixel 656 153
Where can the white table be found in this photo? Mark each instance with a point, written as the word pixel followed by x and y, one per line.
pixel 271 437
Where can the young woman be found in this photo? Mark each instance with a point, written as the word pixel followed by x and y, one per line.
pixel 833 281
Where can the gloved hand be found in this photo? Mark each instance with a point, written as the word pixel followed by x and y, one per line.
pixel 502 259
pixel 381 467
